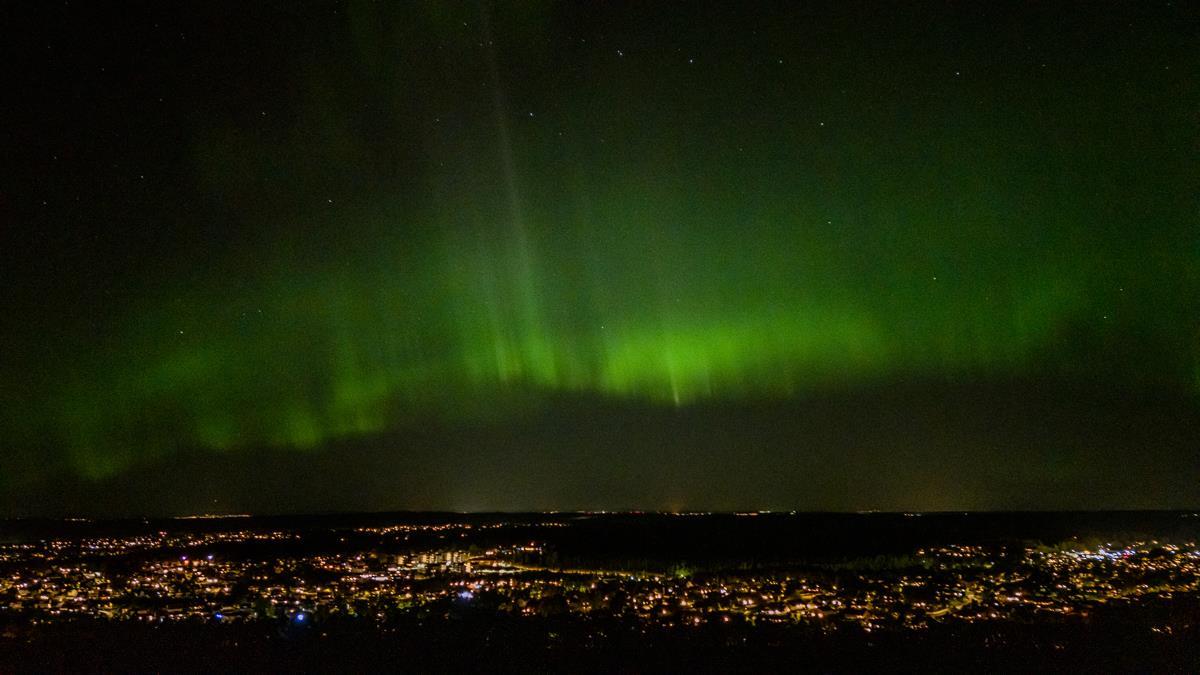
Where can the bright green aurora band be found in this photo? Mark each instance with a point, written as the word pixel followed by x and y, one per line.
pixel 503 244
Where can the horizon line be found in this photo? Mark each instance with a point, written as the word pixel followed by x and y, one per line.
pixel 1184 512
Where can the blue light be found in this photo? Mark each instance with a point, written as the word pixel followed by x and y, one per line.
pixel 218 616
pixel 300 617
pixel 466 595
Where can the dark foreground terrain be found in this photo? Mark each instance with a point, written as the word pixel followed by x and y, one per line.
pixel 1115 592
pixel 500 644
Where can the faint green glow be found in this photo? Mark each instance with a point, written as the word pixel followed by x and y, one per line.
pixel 671 251
pixel 357 355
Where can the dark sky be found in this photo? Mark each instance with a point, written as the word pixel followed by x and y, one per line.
pixel 278 257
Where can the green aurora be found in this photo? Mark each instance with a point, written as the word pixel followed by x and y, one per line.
pixel 433 219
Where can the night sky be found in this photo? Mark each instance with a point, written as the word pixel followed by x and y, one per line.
pixel 292 257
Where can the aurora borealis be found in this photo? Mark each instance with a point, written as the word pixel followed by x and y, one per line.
pixel 563 255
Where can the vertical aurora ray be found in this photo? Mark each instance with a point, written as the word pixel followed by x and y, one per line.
pixel 450 216
pixel 365 353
